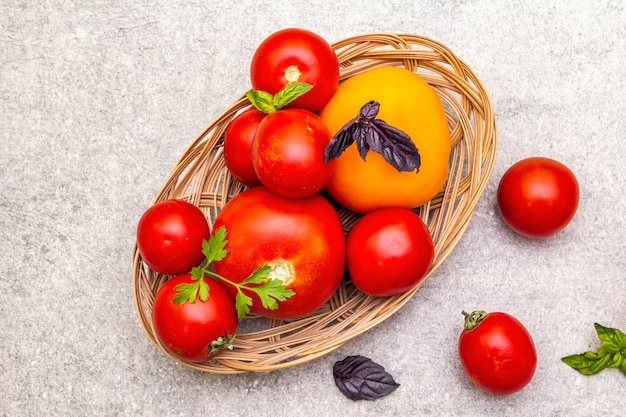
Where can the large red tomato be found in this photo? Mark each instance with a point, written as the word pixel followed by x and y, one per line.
pixel 238 146
pixel 288 153
pixel 296 55
pixel 194 331
pixel 170 235
pixel 497 352
pixel 301 239
pixel 388 251
pixel 538 197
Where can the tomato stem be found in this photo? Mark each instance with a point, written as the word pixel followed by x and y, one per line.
pixel 222 342
pixel 474 319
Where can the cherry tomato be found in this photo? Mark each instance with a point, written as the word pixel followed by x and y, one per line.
pixel 288 153
pixel 194 331
pixel 538 197
pixel 238 146
pixel 170 235
pixel 497 352
pixel 301 239
pixel 388 251
pixel 296 55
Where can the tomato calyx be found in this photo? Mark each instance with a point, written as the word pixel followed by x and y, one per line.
pixel 268 103
pixel 472 320
pixel 372 133
pixel 270 290
pixel 221 343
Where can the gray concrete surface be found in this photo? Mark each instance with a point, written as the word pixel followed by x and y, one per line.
pixel 98 99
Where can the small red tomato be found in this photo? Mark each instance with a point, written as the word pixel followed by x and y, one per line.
pixel 388 251
pixel 288 153
pixel 497 352
pixel 238 146
pixel 538 197
pixel 296 55
pixel 194 331
pixel 302 240
pixel 170 235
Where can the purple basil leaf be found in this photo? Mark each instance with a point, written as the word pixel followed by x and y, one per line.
pixel 362 140
pixel 369 110
pixel 359 378
pixel 341 140
pixel 371 133
pixel 394 145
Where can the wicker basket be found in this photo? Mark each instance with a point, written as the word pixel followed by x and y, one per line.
pixel 200 176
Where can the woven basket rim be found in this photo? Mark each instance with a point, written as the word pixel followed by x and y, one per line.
pixel 200 176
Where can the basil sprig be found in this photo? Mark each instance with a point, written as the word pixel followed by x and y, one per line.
pixel 372 133
pixel 612 353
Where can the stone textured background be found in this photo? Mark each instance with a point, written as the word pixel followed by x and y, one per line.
pixel 99 98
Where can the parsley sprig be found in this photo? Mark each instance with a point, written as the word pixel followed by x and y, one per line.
pixel 269 290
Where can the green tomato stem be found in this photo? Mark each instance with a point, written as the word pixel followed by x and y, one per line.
pixel 474 319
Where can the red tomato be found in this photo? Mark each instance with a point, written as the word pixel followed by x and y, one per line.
pixel 170 235
pixel 497 352
pixel 538 197
pixel 302 240
pixel 194 331
pixel 288 153
pixel 388 251
pixel 238 146
pixel 296 55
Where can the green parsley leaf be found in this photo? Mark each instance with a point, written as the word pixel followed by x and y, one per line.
pixel 213 249
pixel 257 276
pixel 242 304
pixel 187 292
pixel 270 291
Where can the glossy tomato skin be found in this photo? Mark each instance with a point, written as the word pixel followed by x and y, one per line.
pixel 388 251
pixel 187 330
pixel 238 146
pixel 296 55
pixel 498 355
pixel 170 235
pixel 538 197
pixel 288 153
pixel 303 238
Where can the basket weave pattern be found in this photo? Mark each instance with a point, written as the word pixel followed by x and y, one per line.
pixel 200 176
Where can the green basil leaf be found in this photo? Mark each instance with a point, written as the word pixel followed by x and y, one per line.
pixel 613 340
pixel 622 365
pixel 289 93
pixel 589 363
pixel 262 100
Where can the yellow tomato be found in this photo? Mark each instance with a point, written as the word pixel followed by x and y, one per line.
pixel 408 103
